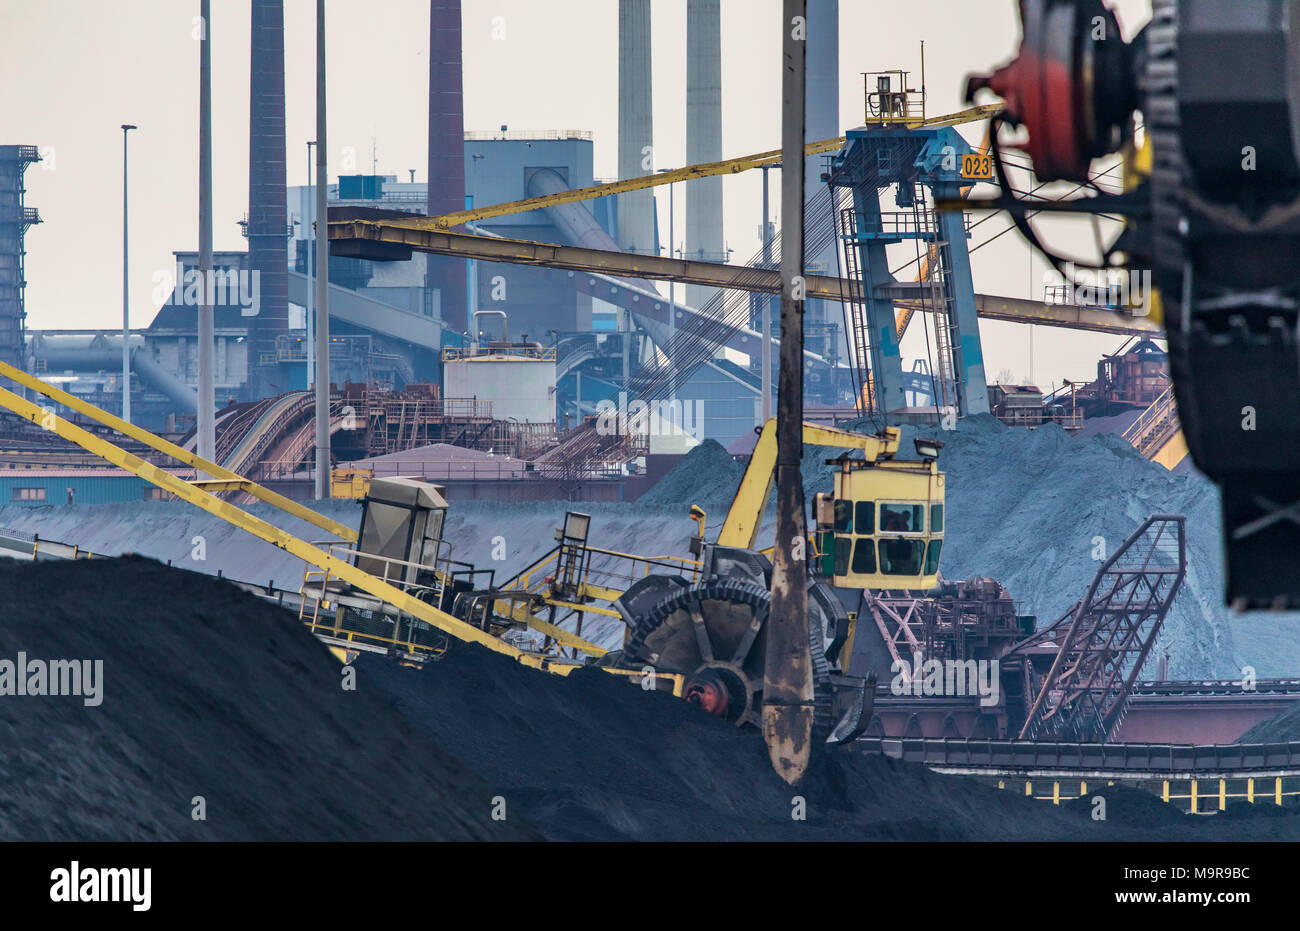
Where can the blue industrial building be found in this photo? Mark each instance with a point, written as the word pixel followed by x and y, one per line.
pixel 63 487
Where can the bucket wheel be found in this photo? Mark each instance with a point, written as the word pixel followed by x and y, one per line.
pixel 713 632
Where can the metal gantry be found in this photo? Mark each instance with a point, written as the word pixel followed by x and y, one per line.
pixel 1101 644
pixel 921 166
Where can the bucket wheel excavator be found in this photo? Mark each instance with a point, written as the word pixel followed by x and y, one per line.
pixel 882 528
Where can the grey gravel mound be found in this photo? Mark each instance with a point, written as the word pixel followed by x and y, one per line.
pixel 707 475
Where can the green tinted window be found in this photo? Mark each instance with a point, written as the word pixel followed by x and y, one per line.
pixel 843 516
pixel 936 518
pixel 902 518
pixel 932 557
pixel 842 547
pixel 864 557
pixel 901 557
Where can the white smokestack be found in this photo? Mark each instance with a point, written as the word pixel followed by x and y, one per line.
pixel 635 125
pixel 704 237
pixel 822 121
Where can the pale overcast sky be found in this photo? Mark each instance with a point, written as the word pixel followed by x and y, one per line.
pixel 77 69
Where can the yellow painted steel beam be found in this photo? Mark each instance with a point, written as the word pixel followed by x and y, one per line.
pixel 309 554
pixel 220 484
pixel 1173 451
pixel 563 636
pixel 601 593
pixel 728 166
pixel 746 512
pixel 197 493
pixel 518 609
pixel 288 505
pixel 582 606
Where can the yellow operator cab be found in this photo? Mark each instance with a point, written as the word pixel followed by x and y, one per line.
pixel 883 527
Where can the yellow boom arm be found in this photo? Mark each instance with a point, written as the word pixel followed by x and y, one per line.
pixel 746 513
pixel 728 166
pixel 226 479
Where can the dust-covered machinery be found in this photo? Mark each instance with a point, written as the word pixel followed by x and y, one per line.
pixel 698 624
pixel 881 527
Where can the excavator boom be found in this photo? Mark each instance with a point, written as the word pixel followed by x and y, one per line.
pixel 741 526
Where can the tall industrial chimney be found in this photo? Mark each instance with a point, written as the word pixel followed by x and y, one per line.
pixel 704 237
pixel 822 95
pixel 268 217
pixel 447 152
pixel 635 126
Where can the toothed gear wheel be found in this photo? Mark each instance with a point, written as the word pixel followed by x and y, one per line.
pixel 713 632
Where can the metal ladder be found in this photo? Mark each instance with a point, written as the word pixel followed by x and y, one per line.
pixel 859 332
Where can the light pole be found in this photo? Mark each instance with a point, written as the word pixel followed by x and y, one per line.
pixel 322 272
pixel 310 227
pixel 126 301
pixel 205 419
pixel 766 315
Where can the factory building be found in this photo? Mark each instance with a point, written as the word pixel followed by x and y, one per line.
pixel 393 323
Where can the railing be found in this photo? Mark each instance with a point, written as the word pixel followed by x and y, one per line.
pixel 452 471
pixel 903 223
pixel 1065 294
pixel 545 354
pixel 1152 425
pixel 1036 417
pixel 1012 756
pixel 1195 795
pixel 527 134
pixel 883 103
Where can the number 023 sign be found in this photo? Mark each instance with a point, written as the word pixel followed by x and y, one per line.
pixel 978 167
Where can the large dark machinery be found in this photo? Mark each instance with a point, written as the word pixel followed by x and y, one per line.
pixel 1204 105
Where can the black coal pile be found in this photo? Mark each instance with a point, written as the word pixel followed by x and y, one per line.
pixel 212 702
pixel 1281 728
pixel 590 757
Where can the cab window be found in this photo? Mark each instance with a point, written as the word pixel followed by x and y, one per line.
pixel 843 516
pixel 901 557
pixel 932 557
pixel 842 547
pixel 902 518
pixel 865 518
pixel 864 557
pixel 936 518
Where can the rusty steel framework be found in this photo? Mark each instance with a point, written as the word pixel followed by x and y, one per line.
pixel 396 421
pixel 590 450
pixel 1101 643
pixel 968 619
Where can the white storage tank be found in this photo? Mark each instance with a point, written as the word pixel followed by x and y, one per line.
pixel 517 377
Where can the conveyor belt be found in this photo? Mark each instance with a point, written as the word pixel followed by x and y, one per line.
pixel 1021 757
